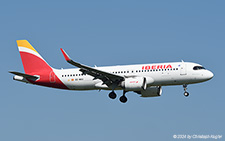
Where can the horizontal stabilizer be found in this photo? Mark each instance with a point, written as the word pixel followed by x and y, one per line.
pixel 31 77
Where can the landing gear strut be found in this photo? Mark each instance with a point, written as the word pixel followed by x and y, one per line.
pixel 123 98
pixel 112 95
pixel 185 90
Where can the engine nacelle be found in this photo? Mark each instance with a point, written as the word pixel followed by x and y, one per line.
pixel 151 91
pixel 134 84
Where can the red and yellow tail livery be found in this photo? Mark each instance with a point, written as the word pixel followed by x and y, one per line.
pixel 37 70
pixel 32 60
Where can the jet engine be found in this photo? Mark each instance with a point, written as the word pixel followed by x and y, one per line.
pixel 134 84
pixel 153 91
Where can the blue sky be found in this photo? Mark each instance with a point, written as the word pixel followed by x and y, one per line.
pixel 111 33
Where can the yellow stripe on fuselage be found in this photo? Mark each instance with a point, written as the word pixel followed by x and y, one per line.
pixel 26 44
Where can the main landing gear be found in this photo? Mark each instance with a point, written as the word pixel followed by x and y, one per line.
pixel 123 98
pixel 112 95
pixel 185 90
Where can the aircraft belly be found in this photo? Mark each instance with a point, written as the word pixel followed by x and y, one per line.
pixel 81 85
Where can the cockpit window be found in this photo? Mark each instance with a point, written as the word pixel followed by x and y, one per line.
pixel 198 68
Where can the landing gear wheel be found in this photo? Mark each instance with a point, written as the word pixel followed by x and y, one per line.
pixel 185 90
pixel 186 94
pixel 123 99
pixel 112 95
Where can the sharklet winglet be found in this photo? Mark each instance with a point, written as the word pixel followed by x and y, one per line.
pixel 66 56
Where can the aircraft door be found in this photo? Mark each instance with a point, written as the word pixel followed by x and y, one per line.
pixel 183 69
pixel 52 77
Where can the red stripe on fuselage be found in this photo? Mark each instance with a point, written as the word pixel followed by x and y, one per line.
pixel 33 65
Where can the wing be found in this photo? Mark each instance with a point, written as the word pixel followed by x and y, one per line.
pixel 108 78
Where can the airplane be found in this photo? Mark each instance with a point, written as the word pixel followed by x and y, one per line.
pixel 144 79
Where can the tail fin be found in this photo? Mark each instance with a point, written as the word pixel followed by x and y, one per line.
pixel 32 60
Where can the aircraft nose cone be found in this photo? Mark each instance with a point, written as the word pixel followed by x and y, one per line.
pixel 210 75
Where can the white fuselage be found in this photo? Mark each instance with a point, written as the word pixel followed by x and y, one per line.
pixel 161 74
pixel 144 79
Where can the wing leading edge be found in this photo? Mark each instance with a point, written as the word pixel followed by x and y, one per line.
pixel 111 80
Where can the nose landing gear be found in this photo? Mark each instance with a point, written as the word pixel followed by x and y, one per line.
pixel 185 90
pixel 186 94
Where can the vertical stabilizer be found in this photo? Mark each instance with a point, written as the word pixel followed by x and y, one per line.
pixel 32 60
